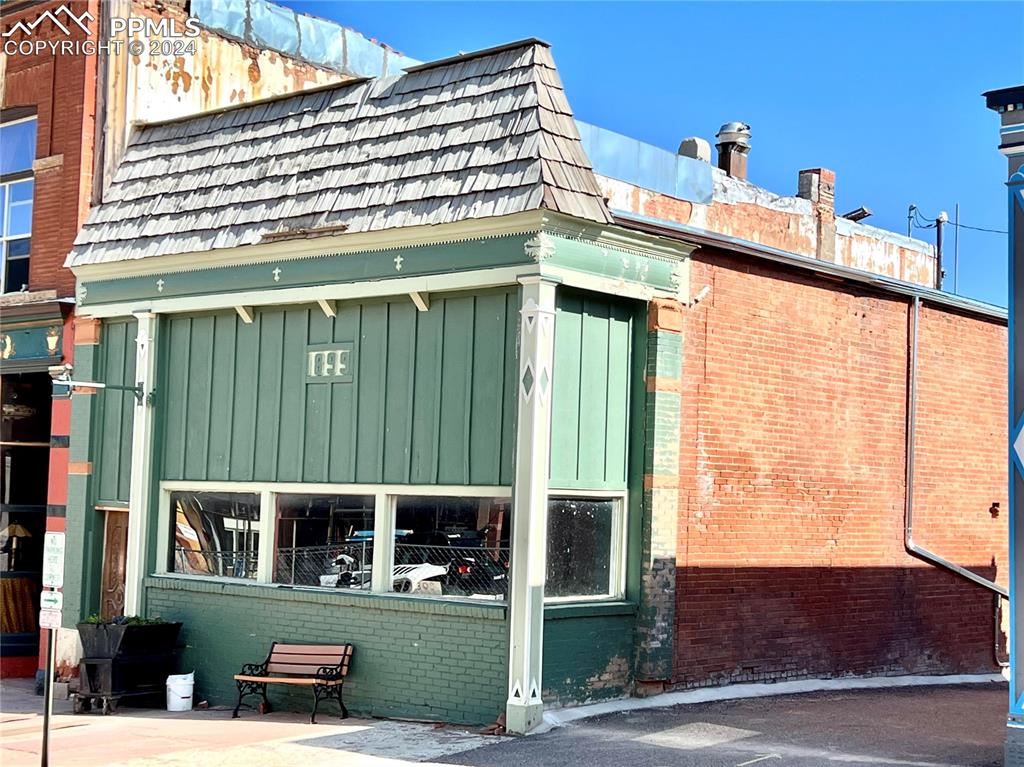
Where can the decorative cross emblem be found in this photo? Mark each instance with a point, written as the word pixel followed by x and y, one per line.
pixel 398 262
pixel 160 286
pixel 277 274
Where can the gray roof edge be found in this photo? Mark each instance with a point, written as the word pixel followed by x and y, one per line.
pixel 527 41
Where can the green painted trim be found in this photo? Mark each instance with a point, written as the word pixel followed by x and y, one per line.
pixel 387 602
pixel 84 525
pixel 585 484
pixel 615 263
pixel 554 612
pixel 320 270
pixel 29 343
pixel 637 456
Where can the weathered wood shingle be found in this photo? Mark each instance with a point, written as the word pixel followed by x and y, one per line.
pixel 479 135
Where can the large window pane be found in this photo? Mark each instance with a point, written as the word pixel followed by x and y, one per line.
pixel 216 533
pixel 21 559
pixel 17 146
pixel 19 209
pixel 580 547
pixel 448 546
pixel 324 540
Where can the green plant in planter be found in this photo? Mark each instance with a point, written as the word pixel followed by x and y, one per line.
pixel 124 620
pixel 126 636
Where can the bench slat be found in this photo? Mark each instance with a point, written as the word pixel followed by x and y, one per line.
pixel 308 660
pixel 312 649
pixel 284 680
pixel 296 668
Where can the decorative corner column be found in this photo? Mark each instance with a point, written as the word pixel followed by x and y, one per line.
pixel 141 470
pixel 657 612
pixel 1009 103
pixel 84 547
pixel 524 709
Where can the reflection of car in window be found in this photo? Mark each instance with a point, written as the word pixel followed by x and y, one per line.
pixel 472 568
pixel 460 562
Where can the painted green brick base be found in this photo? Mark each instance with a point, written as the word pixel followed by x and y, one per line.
pixel 588 653
pixel 415 658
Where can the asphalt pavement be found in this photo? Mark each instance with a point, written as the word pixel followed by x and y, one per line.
pixel 954 726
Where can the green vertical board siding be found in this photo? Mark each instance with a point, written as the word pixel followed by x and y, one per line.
pixel 399 373
pixel 432 398
pixel 510 389
pixel 115 411
pixel 591 399
pixel 200 397
pixel 456 380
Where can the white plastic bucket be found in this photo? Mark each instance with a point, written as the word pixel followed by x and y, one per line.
pixel 179 692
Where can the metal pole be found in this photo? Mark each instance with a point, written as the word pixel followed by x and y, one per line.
pixel 44 760
pixel 939 223
pixel 956 249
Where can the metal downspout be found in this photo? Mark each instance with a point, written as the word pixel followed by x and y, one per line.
pixel 908 524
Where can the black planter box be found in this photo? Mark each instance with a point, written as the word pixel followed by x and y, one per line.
pixel 126 660
pixel 112 640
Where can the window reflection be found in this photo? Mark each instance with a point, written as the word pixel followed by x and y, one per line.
pixel 324 540
pixel 216 534
pixel 448 546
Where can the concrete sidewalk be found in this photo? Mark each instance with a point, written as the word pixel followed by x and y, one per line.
pixel 135 737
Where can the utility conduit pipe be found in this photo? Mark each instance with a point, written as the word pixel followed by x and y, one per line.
pixel 908 518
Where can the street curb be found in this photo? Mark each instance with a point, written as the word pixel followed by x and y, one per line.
pixel 561 717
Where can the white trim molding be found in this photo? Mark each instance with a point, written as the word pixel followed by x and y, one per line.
pixel 303 247
pixel 524 708
pixel 141 466
pixel 319 294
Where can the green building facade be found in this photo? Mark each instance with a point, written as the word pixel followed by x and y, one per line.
pixel 432 441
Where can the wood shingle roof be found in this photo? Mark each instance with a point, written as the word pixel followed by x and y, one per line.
pixel 479 135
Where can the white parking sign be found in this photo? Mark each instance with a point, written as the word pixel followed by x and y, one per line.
pixel 53 560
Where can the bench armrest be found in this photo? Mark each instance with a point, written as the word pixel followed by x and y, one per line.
pixel 330 673
pixel 254 669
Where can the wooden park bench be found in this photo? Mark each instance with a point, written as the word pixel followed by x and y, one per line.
pixel 319 666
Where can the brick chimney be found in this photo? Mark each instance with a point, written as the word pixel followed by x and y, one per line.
pixel 819 186
pixel 733 147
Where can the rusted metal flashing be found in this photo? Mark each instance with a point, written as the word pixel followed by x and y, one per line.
pixel 745 247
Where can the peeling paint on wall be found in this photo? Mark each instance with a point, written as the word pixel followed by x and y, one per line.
pixel 222 72
pixel 748 212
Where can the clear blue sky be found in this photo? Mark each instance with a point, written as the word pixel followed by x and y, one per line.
pixel 885 94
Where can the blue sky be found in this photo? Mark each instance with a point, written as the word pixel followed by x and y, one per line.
pixel 885 94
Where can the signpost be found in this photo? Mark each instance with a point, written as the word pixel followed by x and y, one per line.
pixel 50 604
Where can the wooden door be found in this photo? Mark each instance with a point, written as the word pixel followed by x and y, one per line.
pixel 115 551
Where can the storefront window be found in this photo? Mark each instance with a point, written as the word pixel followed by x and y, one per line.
pixel 452 547
pixel 324 540
pixel 583 553
pixel 216 534
pixel 21 557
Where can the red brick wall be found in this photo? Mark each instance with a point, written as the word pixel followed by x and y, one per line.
pixel 791 557
pixel 62 89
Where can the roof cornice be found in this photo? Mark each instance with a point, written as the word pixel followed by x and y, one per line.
pixel 302 248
